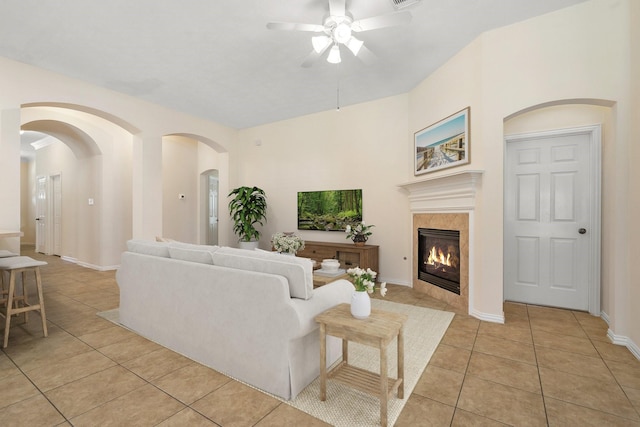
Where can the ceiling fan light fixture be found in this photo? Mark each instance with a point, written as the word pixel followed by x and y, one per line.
pixel 354 45
pixel 320 43
pixel 334 55
pixel 342 33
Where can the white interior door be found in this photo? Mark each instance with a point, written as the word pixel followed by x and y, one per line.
pixel 551 216
pixel 56 185
pixel 41 212
pixel 212 211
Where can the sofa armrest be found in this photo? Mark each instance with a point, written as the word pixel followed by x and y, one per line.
pixel 324 298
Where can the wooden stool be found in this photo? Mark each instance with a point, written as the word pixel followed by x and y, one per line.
pixel 3 291
pixel 15 265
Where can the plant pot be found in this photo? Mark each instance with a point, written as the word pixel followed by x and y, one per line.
pixel 359 239
pixel 252 245
pixel 360 304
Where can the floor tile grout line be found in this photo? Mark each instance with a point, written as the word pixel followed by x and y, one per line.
pixel 35 386
pixel 616 380
pixel 466 370
pixel 535 353
pixel 578 404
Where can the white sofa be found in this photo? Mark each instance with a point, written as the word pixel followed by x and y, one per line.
pixel 247 314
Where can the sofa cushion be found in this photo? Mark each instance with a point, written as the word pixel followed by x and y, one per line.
pixel 192 255
pixel 182 245
pixel 148 247
pixel 297 271
pixel 191 252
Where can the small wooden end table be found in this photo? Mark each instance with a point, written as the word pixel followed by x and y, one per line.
pixel 378 330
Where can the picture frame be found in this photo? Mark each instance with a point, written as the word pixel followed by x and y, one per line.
pixel 444 144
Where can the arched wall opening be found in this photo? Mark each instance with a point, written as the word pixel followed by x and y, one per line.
pixel 93 163
pixel 186 158
pixel 573 113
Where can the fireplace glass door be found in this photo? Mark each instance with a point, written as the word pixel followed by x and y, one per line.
pixel 439 258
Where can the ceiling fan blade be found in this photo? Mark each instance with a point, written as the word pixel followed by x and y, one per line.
pixel 381 21
pixel 337 7
pixel 314 56
pixel 287 26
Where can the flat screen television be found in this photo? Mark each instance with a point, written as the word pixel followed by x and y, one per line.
pixel 330 210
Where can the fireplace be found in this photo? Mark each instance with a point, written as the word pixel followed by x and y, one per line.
pixel 446 202
pixel 439 258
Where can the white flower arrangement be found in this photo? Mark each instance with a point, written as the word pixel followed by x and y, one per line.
pixel 287 243
pixel 365 280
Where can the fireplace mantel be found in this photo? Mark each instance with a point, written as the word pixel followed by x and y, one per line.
pixel 454 192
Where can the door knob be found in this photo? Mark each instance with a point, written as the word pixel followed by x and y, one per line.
pixel 582 230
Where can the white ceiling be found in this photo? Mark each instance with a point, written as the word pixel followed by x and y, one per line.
pixel 217 60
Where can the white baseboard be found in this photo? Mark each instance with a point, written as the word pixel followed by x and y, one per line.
pixel 487 317
pixel 621 339
pixel 634 349
pixel 91 266
pixel 98 267
pixel 624 341
pixel 394 281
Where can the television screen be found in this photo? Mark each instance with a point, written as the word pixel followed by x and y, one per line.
pixel 330 210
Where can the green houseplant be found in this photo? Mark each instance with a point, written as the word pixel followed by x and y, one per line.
pixel 247 209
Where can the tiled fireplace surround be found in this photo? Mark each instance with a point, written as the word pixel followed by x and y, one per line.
pixel 445 202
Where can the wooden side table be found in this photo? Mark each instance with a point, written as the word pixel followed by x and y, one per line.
pixel 376 331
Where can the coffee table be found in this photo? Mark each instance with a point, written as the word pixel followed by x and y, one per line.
pixel 378 330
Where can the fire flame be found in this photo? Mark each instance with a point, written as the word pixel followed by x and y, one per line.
pixel 437 257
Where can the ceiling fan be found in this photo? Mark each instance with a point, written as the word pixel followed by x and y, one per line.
pixel 337 30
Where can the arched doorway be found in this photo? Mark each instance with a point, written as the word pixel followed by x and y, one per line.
pixel 68 156
pixel 552 237
pixel 87 169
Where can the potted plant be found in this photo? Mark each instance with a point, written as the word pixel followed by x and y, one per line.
pixel 247 209
pixel 359 233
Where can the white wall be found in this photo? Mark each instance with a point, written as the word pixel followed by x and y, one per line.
pixel 633 299
pixel 9 174
pixel 362 146
pixel 27 201
pixel 179 176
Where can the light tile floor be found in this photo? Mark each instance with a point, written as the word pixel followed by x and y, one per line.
pixel 543 367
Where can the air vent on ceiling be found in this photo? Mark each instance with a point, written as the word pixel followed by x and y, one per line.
pixel 401 4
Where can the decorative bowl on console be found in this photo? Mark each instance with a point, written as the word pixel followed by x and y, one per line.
pixel 330 264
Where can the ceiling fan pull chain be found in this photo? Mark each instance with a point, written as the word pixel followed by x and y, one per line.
pixel 338 88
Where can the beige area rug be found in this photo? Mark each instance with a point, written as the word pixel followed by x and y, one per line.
pixel 348 407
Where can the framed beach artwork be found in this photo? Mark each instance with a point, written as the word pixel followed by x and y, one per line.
pixel 443 144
